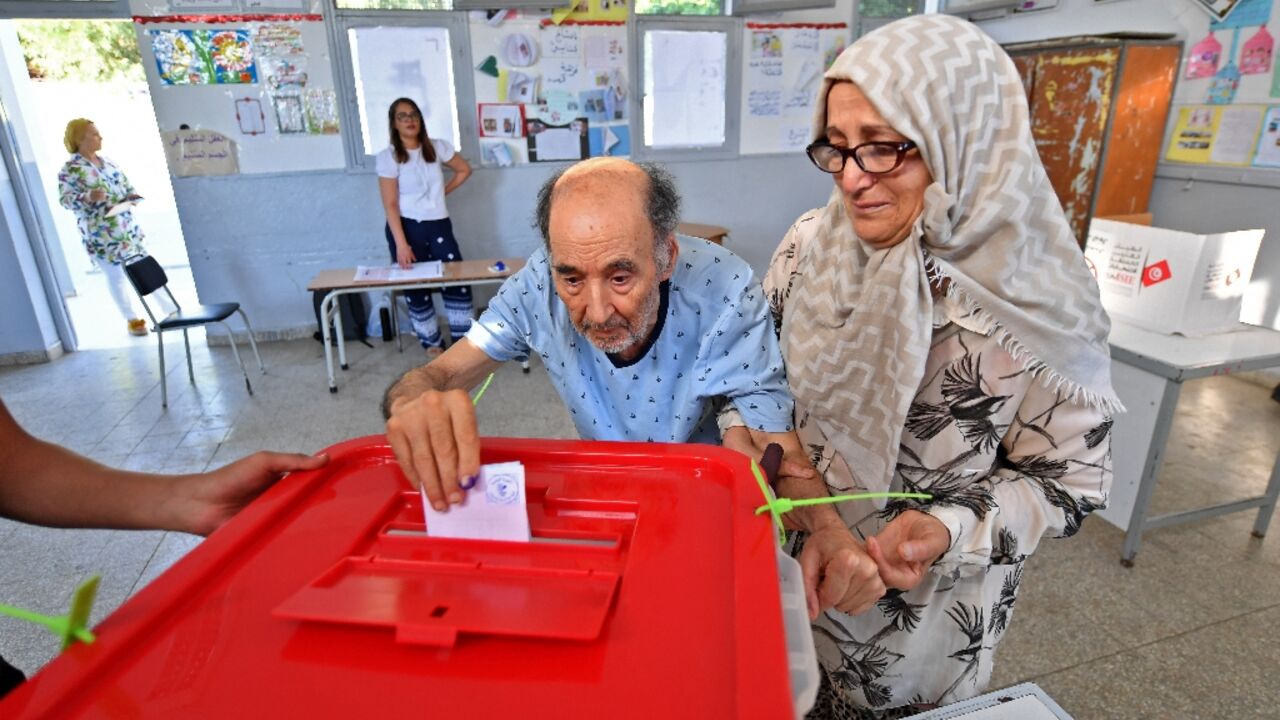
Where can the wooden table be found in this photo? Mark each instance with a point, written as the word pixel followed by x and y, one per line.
pixel 711 233
pixel 1147 371
pixel 341 282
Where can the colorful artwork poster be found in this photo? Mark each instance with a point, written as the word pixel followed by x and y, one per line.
pixel 1246 13
pixel 1193 133
pixel 204 57
pixel 766 44
pixel 322 111
pixel 277 40
pixel 1269 143
pixel 1203 59
pixel 1258 50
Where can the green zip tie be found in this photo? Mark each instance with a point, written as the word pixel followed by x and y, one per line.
pixel 776 506
pixel 69 627
pixel 480 392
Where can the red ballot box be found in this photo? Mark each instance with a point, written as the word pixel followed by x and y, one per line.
pixel 649 591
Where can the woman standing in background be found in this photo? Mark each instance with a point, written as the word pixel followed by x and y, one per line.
pixel 91 186
pixel 411 181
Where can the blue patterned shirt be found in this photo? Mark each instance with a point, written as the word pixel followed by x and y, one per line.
pixel 714 339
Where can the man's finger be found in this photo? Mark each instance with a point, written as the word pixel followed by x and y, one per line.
pixel 466 433
pixel 796 470
pixel 403 451
pixel 424 463
pixel 445 452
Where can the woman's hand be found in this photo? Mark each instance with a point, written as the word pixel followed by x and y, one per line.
pixel 907 546
pixel 97 195
pixel 404 255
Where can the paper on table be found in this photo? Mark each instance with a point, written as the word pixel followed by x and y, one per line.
pixel 494 509
pixel 394 273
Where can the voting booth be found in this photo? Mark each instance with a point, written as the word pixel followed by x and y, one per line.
pixel 650 588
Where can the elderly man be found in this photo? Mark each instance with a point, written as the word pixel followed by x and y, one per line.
pixel 641 335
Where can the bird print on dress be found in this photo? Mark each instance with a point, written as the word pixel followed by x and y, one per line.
pixel 965 403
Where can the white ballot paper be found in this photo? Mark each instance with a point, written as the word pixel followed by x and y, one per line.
pixel 493 510
pixel 429 270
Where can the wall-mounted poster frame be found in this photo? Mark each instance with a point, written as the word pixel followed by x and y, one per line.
pixel 1219 9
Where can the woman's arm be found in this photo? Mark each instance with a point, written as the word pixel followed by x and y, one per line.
pixel 74 193
pixel 461 171
pixel 390 190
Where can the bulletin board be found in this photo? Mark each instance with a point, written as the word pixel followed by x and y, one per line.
pixel 1227 109
pixel 548 92
pixel 782 72
pixel 264 82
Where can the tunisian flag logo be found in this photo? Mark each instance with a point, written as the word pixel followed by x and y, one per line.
pixel 1156 273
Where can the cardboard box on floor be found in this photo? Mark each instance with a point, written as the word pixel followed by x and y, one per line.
pixel 1171 281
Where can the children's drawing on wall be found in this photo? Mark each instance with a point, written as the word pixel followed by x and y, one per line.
pixel 515 86
pixel 1258 50
pixel 610 140
pixel 559 107
pixel 249 116
pixel 203 57
pixel 501 120
pixel 277 40
pixel 290 118
pixel 602 53
pixel 284 73
pixel 322 111
pixel 1203 59
pixel 550 143
pixel 1269 143
pixel 232 56
pixel 496 153
pixel 835 46
pixel 766 44
pixel 519 50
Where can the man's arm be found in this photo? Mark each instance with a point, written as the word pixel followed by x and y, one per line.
pixel 431 423
pixel 44 484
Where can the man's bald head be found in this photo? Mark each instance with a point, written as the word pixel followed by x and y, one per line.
pixel 605 176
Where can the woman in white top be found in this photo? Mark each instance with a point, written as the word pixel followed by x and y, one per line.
pixel 411 180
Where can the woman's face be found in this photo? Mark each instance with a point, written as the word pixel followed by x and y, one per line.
pixel 90 141
pixel 883 206
pixel 408 121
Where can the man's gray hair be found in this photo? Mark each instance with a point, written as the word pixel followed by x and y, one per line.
pixel 662 205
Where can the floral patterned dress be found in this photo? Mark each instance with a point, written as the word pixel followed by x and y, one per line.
pixel 1007 460
pixel 110 238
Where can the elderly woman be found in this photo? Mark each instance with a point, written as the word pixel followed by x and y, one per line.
pixel 943 335
pixel 93 187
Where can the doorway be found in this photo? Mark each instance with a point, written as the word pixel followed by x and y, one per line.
pixel 92 69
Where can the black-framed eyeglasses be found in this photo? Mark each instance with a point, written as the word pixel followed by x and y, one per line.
pixel 405 116
pixel 871 157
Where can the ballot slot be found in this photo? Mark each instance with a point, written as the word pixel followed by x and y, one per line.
pixel 430 591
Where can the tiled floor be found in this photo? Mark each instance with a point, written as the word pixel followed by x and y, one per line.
pixel 1192 631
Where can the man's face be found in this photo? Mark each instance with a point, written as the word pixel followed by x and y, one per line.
pixel 603 264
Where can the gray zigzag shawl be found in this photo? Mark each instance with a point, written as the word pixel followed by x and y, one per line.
pixel 991 224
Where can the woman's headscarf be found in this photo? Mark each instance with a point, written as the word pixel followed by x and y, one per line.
pixel 859 323
pixel 74 133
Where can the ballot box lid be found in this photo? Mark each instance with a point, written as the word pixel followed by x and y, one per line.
pixel 650 589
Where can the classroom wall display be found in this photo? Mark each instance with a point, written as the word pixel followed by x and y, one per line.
pixel 265 80
pixel 784 63
pixel 199 152
pixel 547 90
pixel 1268 154
pixel 1231 66
pixel 1215 135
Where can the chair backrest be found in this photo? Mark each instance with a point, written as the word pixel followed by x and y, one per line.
pixel 146 274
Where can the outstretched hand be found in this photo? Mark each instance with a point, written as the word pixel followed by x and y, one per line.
pixel 907 546
pixel 204 502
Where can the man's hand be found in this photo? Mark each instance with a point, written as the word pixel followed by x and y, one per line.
pixel 838 572
pixel 435 437
pixel 907 546
pixel 202 503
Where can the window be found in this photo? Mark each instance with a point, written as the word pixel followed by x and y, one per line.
pixel 399 61
pixel 680 7
pixel 887 8
pixel 685 77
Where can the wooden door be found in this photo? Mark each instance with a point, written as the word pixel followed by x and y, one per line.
pixel 1071 95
